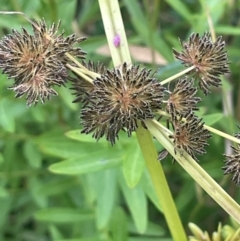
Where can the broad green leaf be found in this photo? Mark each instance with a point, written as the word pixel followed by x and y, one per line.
pixel 133 164
pixel 32 154
pixel 89 187
pixel 34 185
pixel 105 196
pixel 88 162
pixel 119 225
pixel 55 233
pixel 137 203
pixel 148 188
pixel 56 186
pixel 63 215
pixel 212 118
pixel 3 192
pixel 76 135
pixel 7 119
pixel 61 146
pixel 153 229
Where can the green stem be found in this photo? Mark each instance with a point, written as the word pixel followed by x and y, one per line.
pixel 195 171
pixel 160 184
pixel 113 25
pixel 177 75
pixel 80 73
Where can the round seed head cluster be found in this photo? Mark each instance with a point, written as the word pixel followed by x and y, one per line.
pixel 37 62
pixel 189 134
pixel 120 98
pixel 232 163
pixel 83 88
pixel 209 58
pixel 182 99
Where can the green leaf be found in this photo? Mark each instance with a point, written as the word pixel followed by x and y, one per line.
pixel 181 8
pixel 5 208
pixel 76 135
pixel 140 23
pixel 153 229
pixel 137 203
pixel 63 215
pixel 93 43
pixel 119 225
pixel 34 185
pixel 55 233
pixel 212 118
pixel 67 98
pixel 105 196
pixel 228 30
pixel 32 154
pixel 88 162
pixel 61 146
pixel 56 186
pixel 7 119
pixel 3 192
pixel 1 158
pixel 133 164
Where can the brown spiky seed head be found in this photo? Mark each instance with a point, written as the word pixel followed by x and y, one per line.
pixel 232 163
pixel 121 97
pixel 182 99
pixel 189 134
pixel 82 87
pixel 209 58
pixel 37 62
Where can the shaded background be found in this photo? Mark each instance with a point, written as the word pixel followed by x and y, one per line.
pixel 104 192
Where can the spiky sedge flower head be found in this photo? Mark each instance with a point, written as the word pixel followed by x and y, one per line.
pixel 37 62
pixel 223 233
pixel 82 87
pixel 121 97
pixel 182 99
pixel 209 58
pixel 189 134
pixel 232 163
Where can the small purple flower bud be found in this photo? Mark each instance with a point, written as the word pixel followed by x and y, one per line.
pixel 116 40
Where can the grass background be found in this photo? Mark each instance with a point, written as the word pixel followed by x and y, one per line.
pixel 56 184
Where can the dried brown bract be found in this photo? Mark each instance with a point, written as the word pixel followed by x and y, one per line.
pixel 232 163
pixel 37 62
pixel 182 99
pixel 209 58
pixel 189 134
pixel 82 87
pixel 120 98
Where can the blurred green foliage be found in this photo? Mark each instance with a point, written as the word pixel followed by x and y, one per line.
pixel 56 184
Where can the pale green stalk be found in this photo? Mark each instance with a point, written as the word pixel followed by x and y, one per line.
pixel 177 75
pixel 113 25
pixel 161 133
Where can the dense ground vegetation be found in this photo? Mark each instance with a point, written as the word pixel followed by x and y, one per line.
pixel 59 185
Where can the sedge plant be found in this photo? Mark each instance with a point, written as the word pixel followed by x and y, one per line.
pixel 129 97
